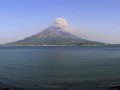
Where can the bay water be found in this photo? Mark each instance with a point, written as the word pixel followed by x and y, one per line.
pixel 32 67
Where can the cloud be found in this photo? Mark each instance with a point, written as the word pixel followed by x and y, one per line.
pixel 61 22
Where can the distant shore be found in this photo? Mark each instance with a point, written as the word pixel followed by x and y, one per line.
pixel 55 45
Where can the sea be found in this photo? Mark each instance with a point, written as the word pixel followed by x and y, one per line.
pixel 60 67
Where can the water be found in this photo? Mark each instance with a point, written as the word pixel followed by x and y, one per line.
pixel 32 67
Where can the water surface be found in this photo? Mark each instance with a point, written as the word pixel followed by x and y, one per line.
pixel 40 66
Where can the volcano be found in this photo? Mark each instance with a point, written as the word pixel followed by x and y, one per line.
pixel 56 34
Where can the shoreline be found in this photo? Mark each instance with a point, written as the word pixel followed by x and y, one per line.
pixel 47 45
pixel 78 85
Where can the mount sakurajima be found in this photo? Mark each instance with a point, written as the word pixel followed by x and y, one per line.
pixel 56 34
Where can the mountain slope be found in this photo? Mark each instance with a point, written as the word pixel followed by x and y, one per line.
pixel 53 36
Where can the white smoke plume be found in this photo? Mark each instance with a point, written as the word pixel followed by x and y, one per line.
pixel 61 22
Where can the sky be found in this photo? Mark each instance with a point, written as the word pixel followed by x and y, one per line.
pixel 97 20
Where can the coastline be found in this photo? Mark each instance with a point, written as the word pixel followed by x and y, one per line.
pixel 78 85
pixel 49 45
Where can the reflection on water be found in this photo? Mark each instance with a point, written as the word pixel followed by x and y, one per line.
pixel 40 66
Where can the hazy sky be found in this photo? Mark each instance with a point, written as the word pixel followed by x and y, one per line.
pixel 91 19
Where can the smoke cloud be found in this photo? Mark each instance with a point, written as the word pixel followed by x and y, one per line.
pixel 61 22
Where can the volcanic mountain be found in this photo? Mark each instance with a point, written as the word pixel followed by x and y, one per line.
pixel 53 35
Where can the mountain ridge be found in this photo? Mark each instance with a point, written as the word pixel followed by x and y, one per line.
pixel 53 35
